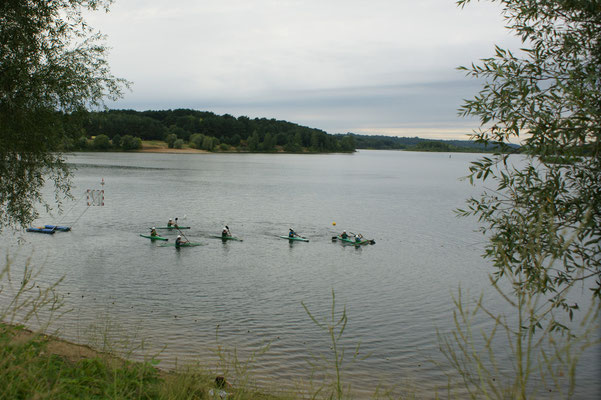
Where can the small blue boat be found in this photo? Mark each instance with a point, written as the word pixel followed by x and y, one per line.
pixel 58 228
pixel 41 230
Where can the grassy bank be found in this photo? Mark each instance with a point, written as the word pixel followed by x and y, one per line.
pixel 36 366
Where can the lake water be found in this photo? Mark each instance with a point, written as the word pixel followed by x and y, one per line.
pixel 397 292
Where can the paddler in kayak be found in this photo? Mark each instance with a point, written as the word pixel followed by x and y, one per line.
pixel 344 235
pixel 179 241
pixel 170 222
pixel 292 234
pixel 153 231
pixel 226 232
pixel 358 238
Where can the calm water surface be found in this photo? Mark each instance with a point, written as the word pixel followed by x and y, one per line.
pixel 397 293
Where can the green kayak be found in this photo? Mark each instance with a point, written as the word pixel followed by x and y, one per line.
pixel 189 244
pixel 353 241
pixel 172 227
pixel 154 237
pixel 226 238
pixel 300 239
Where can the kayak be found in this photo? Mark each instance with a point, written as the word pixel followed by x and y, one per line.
pixel 353 241
pixel 300 239
pixel 172 227
pixel 41 230
pixel 58 228
pixel 226 238
pixel 189 244
pixel 154 237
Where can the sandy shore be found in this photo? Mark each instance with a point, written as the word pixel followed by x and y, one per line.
pixel 70 351
pixel 154 148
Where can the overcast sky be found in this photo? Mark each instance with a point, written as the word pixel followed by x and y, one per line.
pixel 363 66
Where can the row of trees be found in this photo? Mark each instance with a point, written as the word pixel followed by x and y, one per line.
pixel 208 131
pixel 104 143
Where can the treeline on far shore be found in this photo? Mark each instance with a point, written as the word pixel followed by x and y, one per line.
pixel 380 142
pixel 126 129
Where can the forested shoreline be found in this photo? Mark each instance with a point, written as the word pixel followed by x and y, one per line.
pixel 203 130
pixel 125 130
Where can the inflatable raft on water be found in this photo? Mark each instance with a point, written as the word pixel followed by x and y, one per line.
pixel 49 229
pixel 41 230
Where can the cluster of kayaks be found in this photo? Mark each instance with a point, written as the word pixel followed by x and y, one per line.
pixel 346 240
pixel 354 241
pixel 51 229
pixel 186 243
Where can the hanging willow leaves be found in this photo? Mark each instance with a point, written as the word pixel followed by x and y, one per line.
pixel 51 63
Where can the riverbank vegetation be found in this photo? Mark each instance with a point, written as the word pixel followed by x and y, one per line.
pixel 34 365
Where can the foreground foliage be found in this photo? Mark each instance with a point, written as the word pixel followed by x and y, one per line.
pixel 549 96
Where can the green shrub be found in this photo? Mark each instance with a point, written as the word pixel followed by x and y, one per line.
pixel 102 142
pixel 170 139
pixel 131 143
pixel 196 140
pixel 82 143
pixel 116 140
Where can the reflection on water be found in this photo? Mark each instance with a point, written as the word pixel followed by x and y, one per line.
pixel 397 292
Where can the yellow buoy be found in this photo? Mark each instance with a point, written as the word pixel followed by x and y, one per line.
pixel 334 223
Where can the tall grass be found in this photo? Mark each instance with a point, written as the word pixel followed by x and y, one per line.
pixel 28 301
pixel 29 370
pixel 334 325
pixel 237 369
pixel 542 359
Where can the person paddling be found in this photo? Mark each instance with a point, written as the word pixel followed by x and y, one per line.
pixel 226 232
pixel 175 224
pixel 179 242
pixel 170 222
pixel 358 238
pixel 292 234
pixel 344 235
pixel 153 231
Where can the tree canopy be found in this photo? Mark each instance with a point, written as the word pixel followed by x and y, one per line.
pixel 543 218
pixel 51 63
